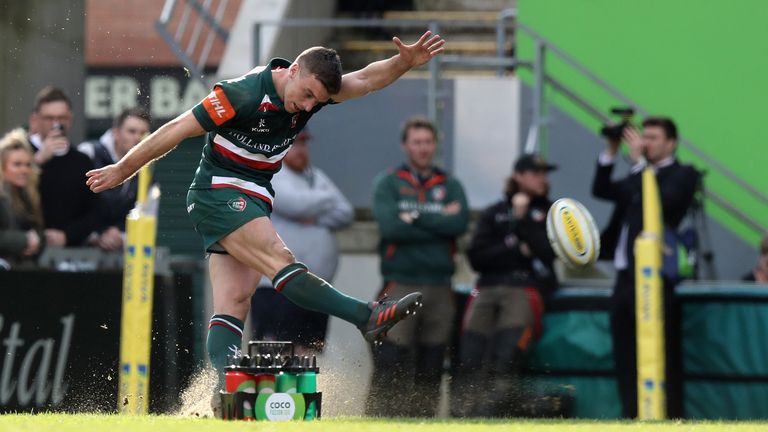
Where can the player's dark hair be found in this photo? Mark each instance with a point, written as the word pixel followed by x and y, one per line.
pixel 416 123
pixel 666 123
pixel 325 65
pixel 136 111
pixel 764 245
pixel 50 94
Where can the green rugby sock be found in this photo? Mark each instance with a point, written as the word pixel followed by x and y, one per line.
pixel 225 337
pixel 310 292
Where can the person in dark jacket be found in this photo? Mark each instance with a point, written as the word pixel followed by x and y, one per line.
pixel 421 211
pixel 21 219
pixel 70 210
pixel 512 255
pixel 677 186
pixel 129 127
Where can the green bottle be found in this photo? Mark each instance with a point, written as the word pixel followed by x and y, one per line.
pixel 307 383
pixel 286 382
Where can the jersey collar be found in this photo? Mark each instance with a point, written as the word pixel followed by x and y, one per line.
pixel 271 90
pixel 437 176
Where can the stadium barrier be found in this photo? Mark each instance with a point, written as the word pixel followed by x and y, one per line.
pixel 90 259
pixel 60 336
pixel 724 372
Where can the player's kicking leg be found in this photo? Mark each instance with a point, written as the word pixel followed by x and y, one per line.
pixel 257 245
pixel 255 249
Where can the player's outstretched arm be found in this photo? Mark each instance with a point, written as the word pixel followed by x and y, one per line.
pixel 150 148
pixel 382 73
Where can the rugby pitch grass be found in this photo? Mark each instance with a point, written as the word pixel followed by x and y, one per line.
pixel 114 423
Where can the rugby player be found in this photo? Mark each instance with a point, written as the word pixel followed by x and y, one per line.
pixel 251 122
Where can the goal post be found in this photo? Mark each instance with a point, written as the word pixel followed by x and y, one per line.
pixel 138 287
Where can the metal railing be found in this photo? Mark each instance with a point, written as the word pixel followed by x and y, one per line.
pixel 537 132
pixel 543 46
pixel 435 26
pixel 195 56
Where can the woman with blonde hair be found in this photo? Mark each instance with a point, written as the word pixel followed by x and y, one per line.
pixel 21 217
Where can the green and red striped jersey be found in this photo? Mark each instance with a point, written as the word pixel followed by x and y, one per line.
pixel 249 133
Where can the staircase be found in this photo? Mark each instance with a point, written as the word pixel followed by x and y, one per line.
pixel 468 33
pixel 193 29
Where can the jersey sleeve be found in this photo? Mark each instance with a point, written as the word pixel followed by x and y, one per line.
pixel 227 101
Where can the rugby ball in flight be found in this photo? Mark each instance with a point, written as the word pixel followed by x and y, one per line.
pixel 572 233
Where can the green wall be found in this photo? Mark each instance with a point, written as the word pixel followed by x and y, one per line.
pixel 703 63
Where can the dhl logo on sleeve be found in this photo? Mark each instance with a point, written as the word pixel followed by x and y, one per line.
pixel 218 107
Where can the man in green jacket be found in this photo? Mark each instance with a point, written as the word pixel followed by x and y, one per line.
pixel 420 210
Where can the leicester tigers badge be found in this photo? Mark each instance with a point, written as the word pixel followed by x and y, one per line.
pixel 294 119
pixel 438 193
pixel 237 204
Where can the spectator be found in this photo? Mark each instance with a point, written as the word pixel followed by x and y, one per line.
pixel 129 127
pixel 70 210
pixel 308 210
pixel 513 257
pixel 21 219
pixel 677 184
pixel 420 210
pixel 759 274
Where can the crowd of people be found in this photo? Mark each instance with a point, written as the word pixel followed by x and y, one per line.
pixel 44 201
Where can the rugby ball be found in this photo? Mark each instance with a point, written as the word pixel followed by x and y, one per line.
pixel 572 233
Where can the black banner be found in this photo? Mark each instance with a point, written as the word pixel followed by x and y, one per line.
pixel 164 92
pixel 60 341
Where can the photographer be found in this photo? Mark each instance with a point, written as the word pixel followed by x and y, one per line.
pixel 654 147
pixel 70 210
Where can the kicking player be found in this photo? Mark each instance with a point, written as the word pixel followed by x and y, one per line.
pixel 251 122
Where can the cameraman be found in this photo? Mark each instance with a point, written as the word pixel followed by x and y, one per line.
pixel 655 146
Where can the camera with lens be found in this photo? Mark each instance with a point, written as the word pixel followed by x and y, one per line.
pixel 616 130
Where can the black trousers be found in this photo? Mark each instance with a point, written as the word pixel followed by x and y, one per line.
pixel 623 334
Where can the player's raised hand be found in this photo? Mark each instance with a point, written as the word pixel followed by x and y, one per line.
pixel 422 51
pixel 105 178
